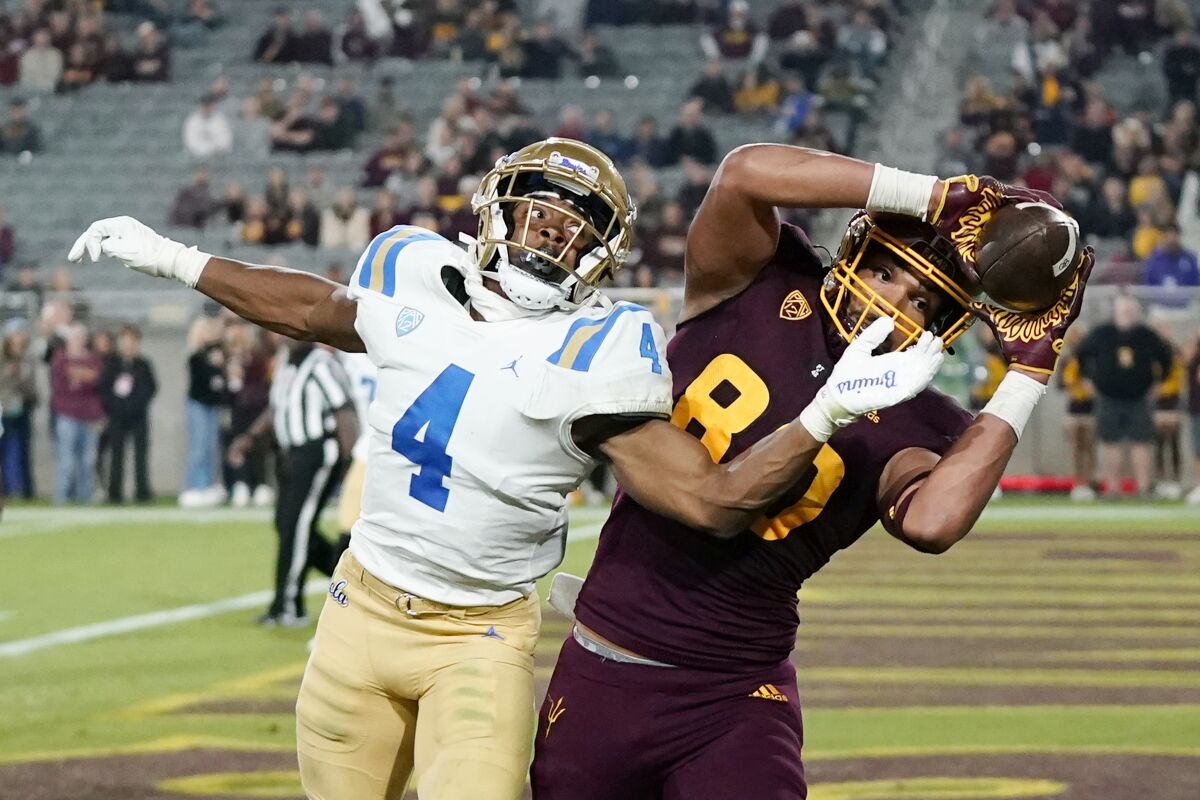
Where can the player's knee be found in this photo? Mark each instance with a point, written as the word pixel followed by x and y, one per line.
pixel 475 773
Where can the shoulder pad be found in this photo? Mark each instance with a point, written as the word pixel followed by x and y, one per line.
pixel 376 270
pixel 625 326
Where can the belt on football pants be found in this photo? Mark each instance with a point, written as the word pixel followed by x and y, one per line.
pixel 606 652
pixel 411 604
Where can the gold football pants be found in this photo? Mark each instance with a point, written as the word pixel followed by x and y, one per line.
pixel 397 684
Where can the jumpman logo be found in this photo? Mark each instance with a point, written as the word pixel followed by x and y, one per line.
pixel 513 366
pixel 491 633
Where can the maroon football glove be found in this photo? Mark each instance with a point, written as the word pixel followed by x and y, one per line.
pixel 1033 341
pixel 967 204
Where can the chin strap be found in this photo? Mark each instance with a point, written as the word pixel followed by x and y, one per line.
pixel 492 306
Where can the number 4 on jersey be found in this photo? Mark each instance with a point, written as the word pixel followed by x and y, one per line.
pixel 435 411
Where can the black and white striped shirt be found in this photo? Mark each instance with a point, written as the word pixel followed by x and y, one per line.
pixel 305 395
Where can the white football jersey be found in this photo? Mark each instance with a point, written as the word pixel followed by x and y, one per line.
pixel 471 456
pixel 363 378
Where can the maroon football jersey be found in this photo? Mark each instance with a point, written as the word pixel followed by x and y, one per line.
pixel 741 370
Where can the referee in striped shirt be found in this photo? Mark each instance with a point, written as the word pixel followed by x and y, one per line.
pixel 312 416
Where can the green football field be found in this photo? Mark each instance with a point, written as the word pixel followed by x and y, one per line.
pixel 1054 653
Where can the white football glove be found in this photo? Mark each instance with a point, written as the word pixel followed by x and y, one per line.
pixel 861 382
pixel 140 248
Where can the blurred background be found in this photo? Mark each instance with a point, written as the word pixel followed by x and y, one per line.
pixel 292 133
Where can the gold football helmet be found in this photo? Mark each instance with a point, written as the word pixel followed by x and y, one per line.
pixel 562 170
pixel 908 243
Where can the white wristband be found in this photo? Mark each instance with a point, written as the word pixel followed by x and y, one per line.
pixel 821 418
pixel 189 264
pixel 1014 400
pixel 184 264
pixel 898 192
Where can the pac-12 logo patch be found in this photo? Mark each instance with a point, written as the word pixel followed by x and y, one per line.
pixel 407 320
pixel 795 307
pixel 337 590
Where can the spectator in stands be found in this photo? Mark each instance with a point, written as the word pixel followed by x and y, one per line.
pixel 194 203
pixel 233 203
pixel 18 398
pixel 8 244
pixel 271 104
pixel 1110 216
pixel 696 178
pixel 1146 233
pixel 304 221
pixel 345 223
pixel 713 88
pixel 351 105
pixel 604 137
pixel 114 61
pixel 1080 424
pixel 1170 264
pixel 81 69
pixel 956 156
pixel 647 145
pixel 596 58
pixel 570 123
pixel 75 401
pixel 425 201
pixel 737 38
pixel 803 37
pixel 26 280
pixel 863 43
pixel 1181 65
pixel 543 53
pixel 1092 136
pixel 206 393
pixel 250 130
pixel 1193 390
pixel 758 93
pixel 798 103
pixel 389 158
pixel 354 42
pixel 314 43
pixel 384 215
pixel 295 130
pixel 332 130
pixel 127 385
pixel 247 372
pixel 1124 359
pixel 193 23
pixel 665 245
pixel 403 182
pixel 62 33
pixel 41 65
pixel 19 134
pixel 150 61
pixel 690 138
pixel 278 44
pixel 206 131
pixel 1168 423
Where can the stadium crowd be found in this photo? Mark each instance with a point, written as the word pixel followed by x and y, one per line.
pixel 1041 119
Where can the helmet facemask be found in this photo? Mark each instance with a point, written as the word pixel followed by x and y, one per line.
pixel 853 304
pixel 540 276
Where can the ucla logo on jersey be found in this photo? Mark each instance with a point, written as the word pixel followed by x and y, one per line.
pixel 407 321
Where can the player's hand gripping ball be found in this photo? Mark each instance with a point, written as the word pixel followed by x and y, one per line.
pixel 1028 254
pixel 1034 340
pixel 966 205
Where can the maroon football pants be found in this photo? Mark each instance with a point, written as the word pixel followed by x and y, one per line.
pixel 610 730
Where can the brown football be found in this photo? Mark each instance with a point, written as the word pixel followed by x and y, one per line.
pixel 1029 254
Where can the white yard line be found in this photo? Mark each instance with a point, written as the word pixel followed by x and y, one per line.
pixel 172 616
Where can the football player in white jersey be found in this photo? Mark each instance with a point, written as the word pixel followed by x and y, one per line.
pixel 503 376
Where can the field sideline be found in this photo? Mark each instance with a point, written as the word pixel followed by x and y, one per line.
pixel 1055 653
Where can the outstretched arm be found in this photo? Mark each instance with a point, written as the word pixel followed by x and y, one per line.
pixel 297 304
pixel 672 473
pixel 294 303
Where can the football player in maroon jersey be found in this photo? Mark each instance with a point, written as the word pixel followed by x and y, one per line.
pixel 676 681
